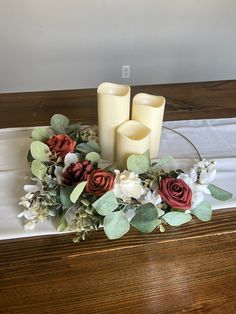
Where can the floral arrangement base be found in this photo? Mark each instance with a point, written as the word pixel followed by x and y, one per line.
pixel 67 183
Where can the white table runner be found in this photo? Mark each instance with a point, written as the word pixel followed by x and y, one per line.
pixel 214 138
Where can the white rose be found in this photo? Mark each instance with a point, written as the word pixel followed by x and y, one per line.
pixel 127 185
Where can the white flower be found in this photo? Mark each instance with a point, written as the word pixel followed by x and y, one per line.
pixel 203 172
pixel 58 173
pixel 127 185
pixel 152 197
pixel 30 225
pixel 30 188
pixel 70 158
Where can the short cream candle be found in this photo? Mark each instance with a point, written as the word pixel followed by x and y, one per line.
pixel 113 110
pixel 133 137
pixel 149 110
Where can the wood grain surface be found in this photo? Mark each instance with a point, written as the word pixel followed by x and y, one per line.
pixel 188 269
pixel 183 101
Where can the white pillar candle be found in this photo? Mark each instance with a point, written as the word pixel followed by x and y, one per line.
pixel 149 110
pixel 113 110
pixel 133 137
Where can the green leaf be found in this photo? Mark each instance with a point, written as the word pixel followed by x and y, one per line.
pixel 106 204
pixel 65 192
pixel 39 151
pixel 203 211
pixel 62 225
pixel 219 193
pixel 177 218
pixel 160 212
pixel 59 123
pixel 116 224
pixel 77 191
pixel 165 160
pixel 38 169
pixel 147 155
pixel 93 157
pixel 88 147
pixel 40 134
pixel 146 218
pixel 138 163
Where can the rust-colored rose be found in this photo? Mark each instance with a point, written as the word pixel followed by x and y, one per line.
pixel 176 193
pixel 78 172
pixel 61 144
pixel 99 182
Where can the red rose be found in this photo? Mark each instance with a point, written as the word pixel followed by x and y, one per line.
pixel 61 144
pixel 99 182
pixel 176 193
pixel 78 172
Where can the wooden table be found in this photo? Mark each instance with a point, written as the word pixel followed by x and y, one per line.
pixel 189 269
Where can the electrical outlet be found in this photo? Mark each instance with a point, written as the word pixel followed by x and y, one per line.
pixel 125 71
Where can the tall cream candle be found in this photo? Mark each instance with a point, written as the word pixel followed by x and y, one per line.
pixel 149 110
pixel 133 137
pixel 113 110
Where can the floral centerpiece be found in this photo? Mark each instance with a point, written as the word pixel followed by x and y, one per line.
pixel 69 184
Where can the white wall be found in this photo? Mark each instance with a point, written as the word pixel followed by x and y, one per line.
pixel 64 44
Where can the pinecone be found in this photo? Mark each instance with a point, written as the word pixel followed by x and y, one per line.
pixel 78 172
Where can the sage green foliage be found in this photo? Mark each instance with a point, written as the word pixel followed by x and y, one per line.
pixel 38 169
pixel 116 224
pixel 65 192
pixel 138 163
pixel 62 224
pixel 146 218
pixel 175 218
pixel 39 151
pixel 219 193
pixel 165 160
pixel 40 134
pixel 93 157
pixel 77 191
pixel 203 211
pixel 106 203
pixel 59 123
pixel 88 147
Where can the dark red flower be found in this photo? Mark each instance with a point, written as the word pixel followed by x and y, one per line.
pixel 61 144
pixel 175 192
pixel 99 182
pixel 78 172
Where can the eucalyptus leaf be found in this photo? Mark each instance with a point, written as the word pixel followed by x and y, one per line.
pixel 59 123
pixel 77 191
pixel 88 147
pixel 40 134
pixel 138 163
pixel 165 160
pixel 176 218
pixel 38 169
pixel 219 193
pixel 203 211
pixel 93 157
pixel 106 204
pixel 39 151
pixel 65 192
pixel 116 224
pixel 146 218
pixel 94 146
pixel 160 212
pixel 147 155
pixel 62 225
